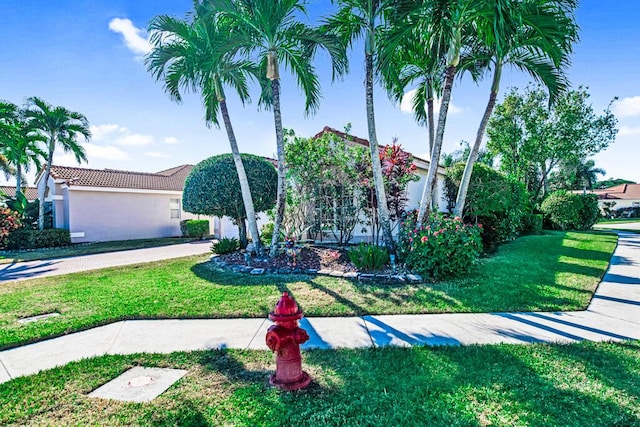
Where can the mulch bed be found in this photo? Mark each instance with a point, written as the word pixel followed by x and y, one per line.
pixel 309 258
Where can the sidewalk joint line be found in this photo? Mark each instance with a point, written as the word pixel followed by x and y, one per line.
pixel 115 338
pixel 5 369
pixel 255 334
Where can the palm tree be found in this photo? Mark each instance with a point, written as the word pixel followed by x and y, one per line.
pixel 534 36
pixel 19 146
pixel 268 32
pixel 446 25
pixel 195 56
pixel 362 19
pixel 57 126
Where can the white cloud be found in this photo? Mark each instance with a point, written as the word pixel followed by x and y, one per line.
pixel 101 132
pixel 157 154
pixel 627 107
pixel 134 37
pixel 135 139
pixel 94 152
pixel 628 131
pixel 108 152
pixel 406 105
pixel 171 140
pixel 119 135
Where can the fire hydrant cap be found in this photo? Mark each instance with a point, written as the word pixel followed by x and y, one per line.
pixel 286 309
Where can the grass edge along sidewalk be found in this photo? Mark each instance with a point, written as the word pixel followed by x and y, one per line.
pixel 554 272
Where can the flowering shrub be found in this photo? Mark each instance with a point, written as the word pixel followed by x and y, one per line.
pixel 9 221
pixel 441 247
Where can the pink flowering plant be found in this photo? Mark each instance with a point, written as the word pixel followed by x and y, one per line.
pixel 9 221
pixel 441 247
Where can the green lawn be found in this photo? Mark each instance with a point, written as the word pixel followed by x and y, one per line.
pixel 554 271
pixel 586 384
pixel 7 257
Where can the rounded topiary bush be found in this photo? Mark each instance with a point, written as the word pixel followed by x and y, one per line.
pixel 571 211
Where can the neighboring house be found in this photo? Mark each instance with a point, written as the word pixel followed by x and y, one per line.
pixel 107 204
pixel 31 193
pixel 622 196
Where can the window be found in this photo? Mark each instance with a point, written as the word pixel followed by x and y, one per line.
pixel 174 206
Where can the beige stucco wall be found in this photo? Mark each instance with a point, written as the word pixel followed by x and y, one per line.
pixel 95 216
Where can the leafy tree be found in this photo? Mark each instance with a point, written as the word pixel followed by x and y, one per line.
pixel 18 144
pixel 532 138
pixel 195 56
pixel 361 19
pixel 213 188
pixel 328 178
pixel 270 33
pixel 57 126
pixel 534 36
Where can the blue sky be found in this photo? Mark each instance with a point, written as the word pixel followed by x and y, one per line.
pixel 86 55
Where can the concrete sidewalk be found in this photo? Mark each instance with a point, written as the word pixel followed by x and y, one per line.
pixel 614 314
pixel 57 266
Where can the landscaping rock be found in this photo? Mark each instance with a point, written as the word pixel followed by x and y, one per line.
pixel 246 270
pixel 350 275
pixel 237 268
pixel 399 278
pixel 284 270
pixel 336 274
pixel 324 272
pixel 414 278
pixel 385 278
pixel 257 271
pixel 366 278
pixel 311 271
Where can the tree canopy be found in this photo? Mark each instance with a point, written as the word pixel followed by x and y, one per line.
pixel 533 138
pixel 212 188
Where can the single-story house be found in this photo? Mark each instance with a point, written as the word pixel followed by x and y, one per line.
pixel 108 204
pixel 619 197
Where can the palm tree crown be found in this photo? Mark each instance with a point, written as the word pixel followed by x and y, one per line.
pixel 57 126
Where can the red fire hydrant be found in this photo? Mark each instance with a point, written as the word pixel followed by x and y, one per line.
pixel 285 338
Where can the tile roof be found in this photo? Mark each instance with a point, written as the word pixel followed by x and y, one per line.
pixel 30 192
pixel 619 192
pixel 168 180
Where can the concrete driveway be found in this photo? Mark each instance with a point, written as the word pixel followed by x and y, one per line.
pixel 58 266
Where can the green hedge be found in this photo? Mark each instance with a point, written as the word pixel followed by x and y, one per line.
pixel 197 228
pixel 35 239
pixel 571 211
pixel 532 223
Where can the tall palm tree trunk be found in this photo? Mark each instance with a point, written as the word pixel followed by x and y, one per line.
pixel 432 131
pixel 18 179
pixel 473 155
pixel 281 194
pixel 429 185
pixel 378 180
pixel 242 177
pixel 42 190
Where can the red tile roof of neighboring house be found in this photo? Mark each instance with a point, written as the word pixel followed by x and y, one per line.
pixel 30 192
pixel 168 180
pixel 619 192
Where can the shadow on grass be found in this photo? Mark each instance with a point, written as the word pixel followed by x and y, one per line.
pixel 523 276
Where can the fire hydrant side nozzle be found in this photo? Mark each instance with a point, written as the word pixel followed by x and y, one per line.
pixel 285 337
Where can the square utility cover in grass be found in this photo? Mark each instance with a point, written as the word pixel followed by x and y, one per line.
pixel 139 384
